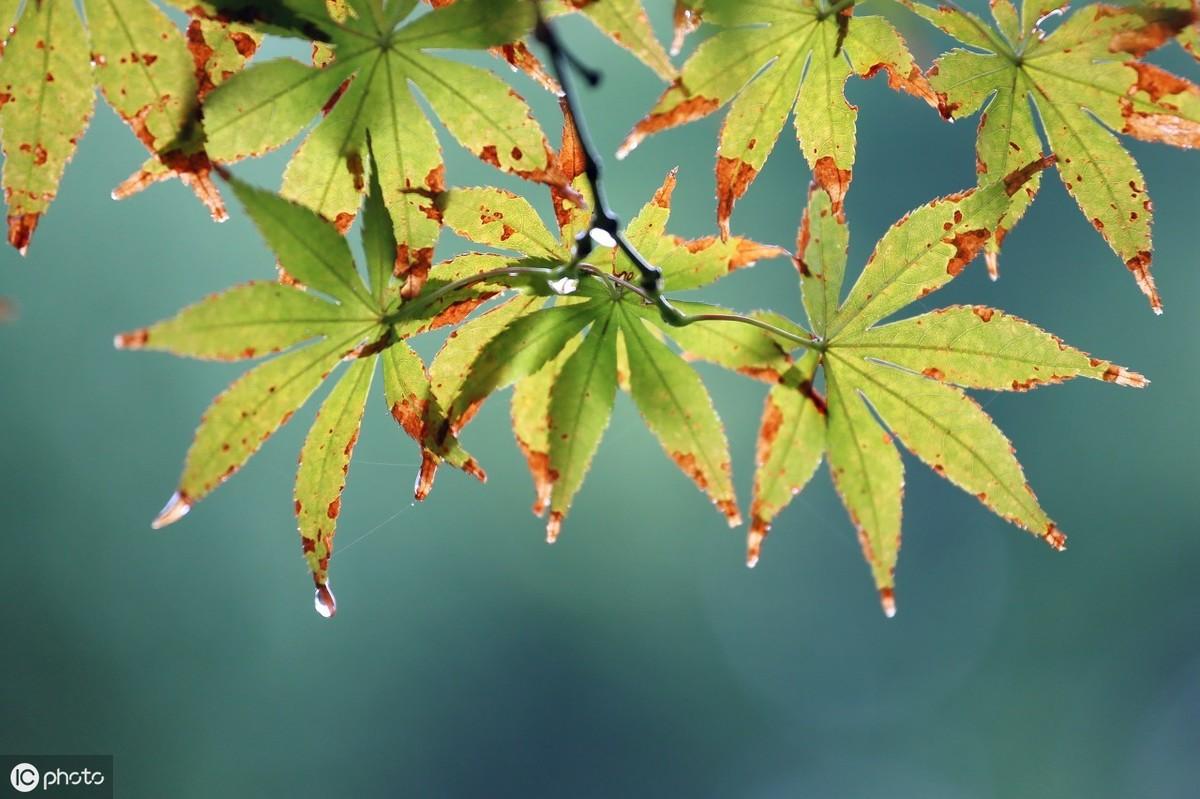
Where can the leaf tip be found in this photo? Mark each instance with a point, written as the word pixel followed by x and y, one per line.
pixel 425 477
pixel 887 599
pixel 993 265
pixel 732 513
pixel 20 231
pixel 754 541
pixel 1124 377
pixel 554 526
pixel 1055 537
pixel 133 340
pixel 176 508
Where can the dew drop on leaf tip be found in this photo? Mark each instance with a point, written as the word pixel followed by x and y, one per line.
pixel 324 602
pixel 887 598
pixel 176 508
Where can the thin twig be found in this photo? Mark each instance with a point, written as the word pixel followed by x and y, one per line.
pixel 605 226
pixel 550 274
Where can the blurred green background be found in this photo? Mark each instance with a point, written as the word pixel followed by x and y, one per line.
pixel 638 656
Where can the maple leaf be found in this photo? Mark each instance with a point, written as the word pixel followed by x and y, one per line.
pixel 49 70
pixel 904 379
pixel 219 50
pixel 568 360
pixel 340 317
pixel 1086 82
pixel 362 85
pixel 776 57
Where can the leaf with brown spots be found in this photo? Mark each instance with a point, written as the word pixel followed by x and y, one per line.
pixel 367 90
pixel 219 50
pixel 773 59
pixel 687 264
pixel 325 463
pixel 46 100
pixel 337 317
pixel 905 379
pixel 791 444
pixel 678 410
pixel 411 402
pixel 1086 83
pixel 530 415
pixel 581 403
pixel 147 72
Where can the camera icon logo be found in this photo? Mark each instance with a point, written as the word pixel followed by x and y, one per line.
pixel 24 777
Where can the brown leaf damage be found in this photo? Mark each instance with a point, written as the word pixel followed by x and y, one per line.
pixel 1166 127
pixel 1139 265
pixel 685 111
pixel 1014 180
pixel 734 177
pixel 835 181
pixel 1162 25
pixel 689 465
pixel 966 246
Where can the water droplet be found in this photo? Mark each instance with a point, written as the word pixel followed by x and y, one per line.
pixel 564 285
pixel 324 602
pixel 176 508
pixel 602 237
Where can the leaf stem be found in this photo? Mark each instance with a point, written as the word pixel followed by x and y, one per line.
pixel 587 270
pixel 691 319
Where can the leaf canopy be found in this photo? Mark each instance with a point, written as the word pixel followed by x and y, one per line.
pixel 1085 82
pixel 145 69
pixel 567 361
pixel 363 88
pixel 330 314
pixel 772 59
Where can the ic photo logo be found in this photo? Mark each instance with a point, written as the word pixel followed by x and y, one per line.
pixel 50 776
pixel 25 777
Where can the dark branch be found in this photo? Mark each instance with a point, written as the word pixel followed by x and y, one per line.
pixel 606 227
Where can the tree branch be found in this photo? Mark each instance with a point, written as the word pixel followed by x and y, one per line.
pixel 605 228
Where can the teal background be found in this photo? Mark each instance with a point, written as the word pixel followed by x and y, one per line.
pixel 638 656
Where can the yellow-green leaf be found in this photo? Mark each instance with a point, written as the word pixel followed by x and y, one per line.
pixel 325 464
pixel 46 100
pixel 678 410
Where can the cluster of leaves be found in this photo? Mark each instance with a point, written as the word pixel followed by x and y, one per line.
pixel 152 74
pixel 569 317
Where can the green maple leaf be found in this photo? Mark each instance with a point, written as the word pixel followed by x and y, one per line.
pixel 776 57
pixel 568 360
pixel 363 85
pixel 904 379
pixel 308 333
pixel 1086 83
pixel 50 68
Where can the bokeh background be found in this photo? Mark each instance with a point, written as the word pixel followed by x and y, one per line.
pixel 637 657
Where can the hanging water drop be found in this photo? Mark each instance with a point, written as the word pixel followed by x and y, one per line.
pixel 176 508
pixel 324 602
